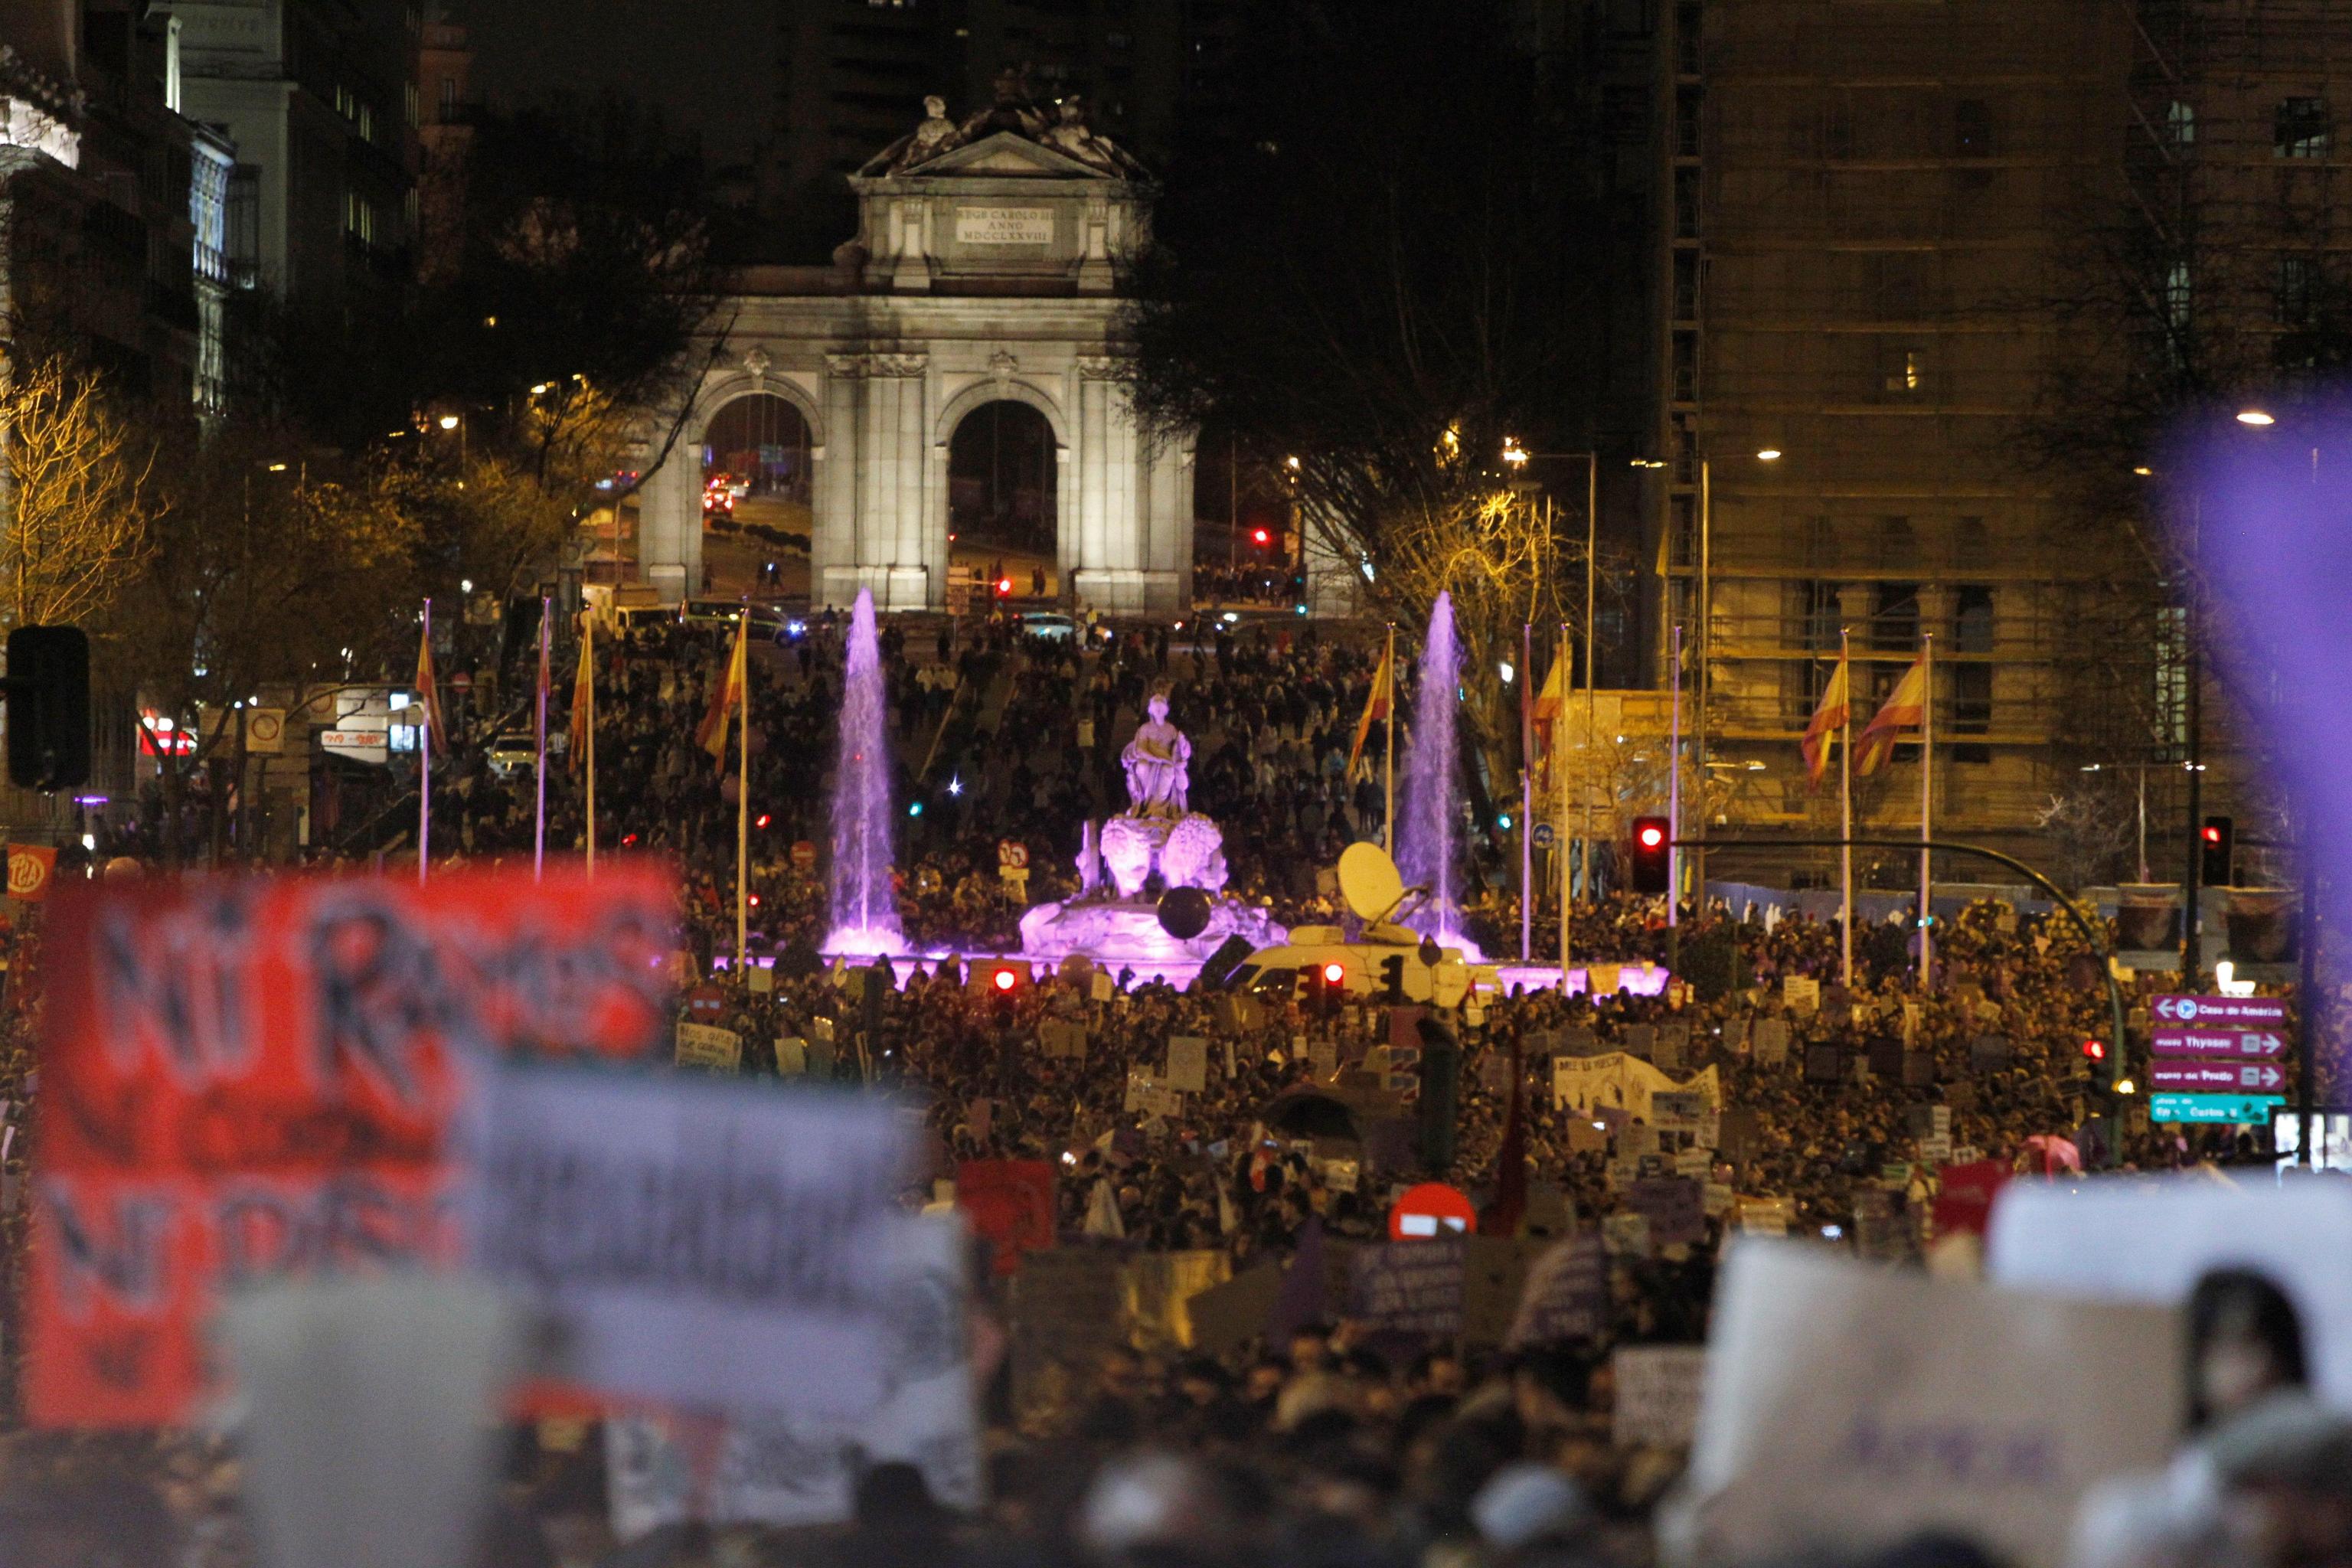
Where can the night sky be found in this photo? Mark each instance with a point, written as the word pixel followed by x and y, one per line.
pixel 707 64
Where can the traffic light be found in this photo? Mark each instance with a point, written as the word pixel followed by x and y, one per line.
pixel 48 706
pixel 1652 843
pixel 1392 980
pixel 1334 975
pixel 2216 845
pixel 2095 1050
pixel 1260 537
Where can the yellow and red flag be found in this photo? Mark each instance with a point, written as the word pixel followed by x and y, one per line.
pixel 1379 703
pixel 1828 722
pixel 584 695
pixel 728 699
pixel 1905 709
pixel 428 693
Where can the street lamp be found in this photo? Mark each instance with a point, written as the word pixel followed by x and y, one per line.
pixel 2255 417
pixel 1769 455
pixel 450 422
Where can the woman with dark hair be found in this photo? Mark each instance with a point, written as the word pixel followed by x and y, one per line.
pixel 2245 1343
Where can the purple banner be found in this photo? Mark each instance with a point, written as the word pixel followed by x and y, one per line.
pixel 2220 1012
pixel 2217 1043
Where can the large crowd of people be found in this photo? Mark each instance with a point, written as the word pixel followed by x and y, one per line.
pixel 1834 1108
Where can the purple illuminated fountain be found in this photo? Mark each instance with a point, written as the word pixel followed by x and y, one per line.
pixel 1428 809
pixel 864 904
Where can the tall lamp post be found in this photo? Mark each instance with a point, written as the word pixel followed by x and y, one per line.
pixel 1519 456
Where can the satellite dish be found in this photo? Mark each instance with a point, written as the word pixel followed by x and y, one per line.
pixel 1369 881
pixel 1185 912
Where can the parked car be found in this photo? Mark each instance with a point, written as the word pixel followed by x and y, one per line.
pixel 1050 623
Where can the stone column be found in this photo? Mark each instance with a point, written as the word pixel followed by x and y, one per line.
pixel 886 480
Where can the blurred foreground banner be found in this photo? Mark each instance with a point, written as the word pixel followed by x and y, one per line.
pixel 706 1242
pixel 778 1460
pixel 1847 1405
pixel 246 1077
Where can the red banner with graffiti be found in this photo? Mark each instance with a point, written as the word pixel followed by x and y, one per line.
pixel 1010 1203
pixel 245 1077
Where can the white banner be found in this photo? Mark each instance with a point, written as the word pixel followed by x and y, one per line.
pixel 786 1465
pixel 1618 1081
pixel 708 1242
pixel 2115 1239
pixel 1847 1406
pixel 702 1045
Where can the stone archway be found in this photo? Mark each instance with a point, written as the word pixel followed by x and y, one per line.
pixel 1005 470
pixel 983 270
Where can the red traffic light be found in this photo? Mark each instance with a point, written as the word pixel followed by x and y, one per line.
pixel 1005 587
pixel 761 820
pixel 1260 536
pixel 2095 1050
pixel 1335 974
pixel 2212 832
pixel 1005 980
pixel 1651 835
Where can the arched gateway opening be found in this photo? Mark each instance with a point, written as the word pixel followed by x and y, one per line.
pixel 1003 513
pixel 757 466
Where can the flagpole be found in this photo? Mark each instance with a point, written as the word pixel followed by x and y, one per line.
pixel 1845 808
pixel 1560 836
pixel 539 830
pixel 1674 794
pixel 742 801
pixel 588 653
pixel 425 765
pixel 1926 812
pixel 1526 791
pixel 1387 768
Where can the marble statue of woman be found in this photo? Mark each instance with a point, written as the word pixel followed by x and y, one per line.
pixel 1156 762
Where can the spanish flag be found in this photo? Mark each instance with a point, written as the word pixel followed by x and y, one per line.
pixel 728 699
pixel 583 696
pixel 1547 702
pixel 429 693
pixel 1905 709
pixel 1378 704
pixel 1829 721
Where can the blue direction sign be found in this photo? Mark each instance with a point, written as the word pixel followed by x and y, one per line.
pixel 1544 835
pixel 2220 1012
pixel 2228 1108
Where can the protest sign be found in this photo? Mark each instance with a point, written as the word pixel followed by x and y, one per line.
pixel 30 869
pixel 787 1464
pixel 803 1257
pixel 1065 1313
pixel 1714 1199
pixel 1156 1291
pixel 1658 1394
pixel 1409 1288
pixel 1677 1111
pixel 1672 1046
pixel 2150 1240
pixel 1626 1233
pixel 791 1055
pixel 248 1075
pixel 1565 1294
pixel 1985 1412
pixel 1587 1137
pixel 1671 1205
pixel 1928 1121
pixel 700 1046
pixel 1622 1082
pixel 1493 1273
pixel 1226 1317
pixel 1801 994
pixel 1188 1063
pixel 1009 1204
pixel 1771 1038
pixel 1766 1216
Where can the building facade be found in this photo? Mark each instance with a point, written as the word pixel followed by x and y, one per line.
pixel 1874 206
pixel 983 272
pixel 321 101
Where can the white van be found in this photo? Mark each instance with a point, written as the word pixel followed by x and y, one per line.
pixel 1363 966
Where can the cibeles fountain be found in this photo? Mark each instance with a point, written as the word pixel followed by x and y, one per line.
pixel 1151 879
